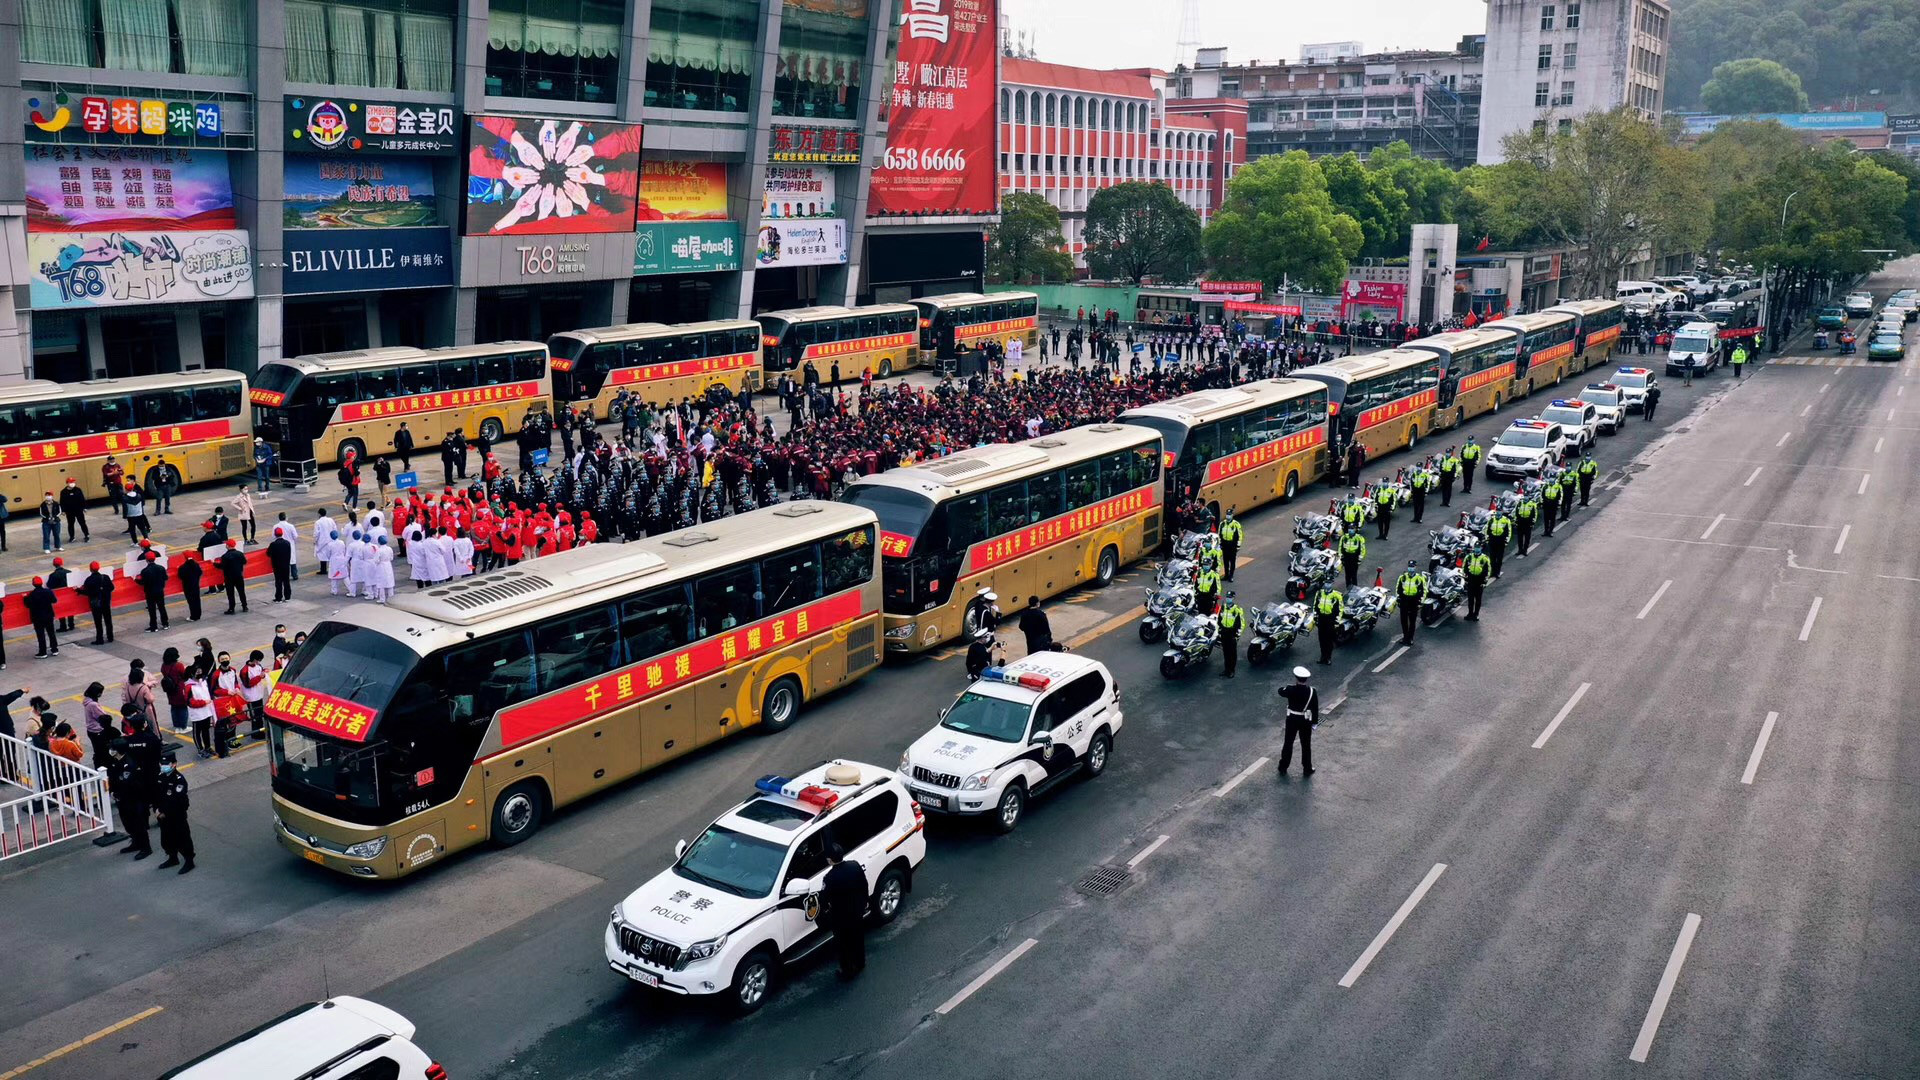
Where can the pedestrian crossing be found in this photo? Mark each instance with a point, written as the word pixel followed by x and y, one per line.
pixel 1834 361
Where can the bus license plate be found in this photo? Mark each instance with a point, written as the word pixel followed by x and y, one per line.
pixel 313 856
pixel 645 978
pixel 932 802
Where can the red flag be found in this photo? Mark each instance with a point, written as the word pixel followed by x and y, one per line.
pixel 1485 243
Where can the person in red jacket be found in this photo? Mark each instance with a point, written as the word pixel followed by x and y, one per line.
pixel 589 529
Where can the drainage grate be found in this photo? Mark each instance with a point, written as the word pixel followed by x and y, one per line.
pixel 1104 881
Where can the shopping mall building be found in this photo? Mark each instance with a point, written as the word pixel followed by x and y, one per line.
pixel 217 183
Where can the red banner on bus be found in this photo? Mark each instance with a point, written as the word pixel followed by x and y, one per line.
pixel 320 712
pixel 941 114
pixel 991 553
pixel 1225 468
pixel 445 399
pixel 51 451
pixel 711 365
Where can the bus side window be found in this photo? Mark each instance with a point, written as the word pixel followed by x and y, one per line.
pixel 1144 465
pixel 967 521
pixel 457 374
pixel 903 322
pixel 335 390
pixel 104 414
pixel 1203 444
pixel 1007 508
pixel 492 370
pixel 52 420
pixel 419 379
pixel 218 402
pixel 869 326
pixel 694 346
pixel 1083 485
pixel 528 366
pixel 746 341
pixel 10 424
pixel 489 675
pixel 668 349
pixel 378 383
pixel 656 622
pixel 153 408
pixel 790 578
pixel 578 647
pixel 725 599
pixel 1047 495
pixel 848 560
pixel 1116 473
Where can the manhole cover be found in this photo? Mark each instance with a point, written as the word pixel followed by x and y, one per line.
pixel 1104 881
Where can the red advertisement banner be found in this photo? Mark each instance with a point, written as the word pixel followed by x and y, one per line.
pixel 1003 326
pixel 1232 286
pixel 1226 468
pixel 1373 294
pixel 711 365
pixel 895 545
pixel 320 712
pixel 940 129
pixel 1601 337
pixel 1548 356
pixel 1252 308
pixel 1482 378
pixel 86 446
pixel 1751 331
pixel 127 592
pixel 1380 414
pixel 637 682
pixel 991 553
pixel 448 399
pixel 847 348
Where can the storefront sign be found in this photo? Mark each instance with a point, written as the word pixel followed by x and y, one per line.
pixel 358 193
pixel 1542 268
pixel 100 189
pixel 344 126
pixel 80 270
pixel 797 243
pixel 798 191
pixel 367 260
pixel 529 176
pixel 1320 307
pixel 487 261
pixel 684 247
pixel 547 260
pixel 1390 294
pixel 136 118
pixel 673 190
pixel 1231 286
pixel 941 113
pixel 827 146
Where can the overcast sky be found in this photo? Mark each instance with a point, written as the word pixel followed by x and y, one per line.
pixel 1142 33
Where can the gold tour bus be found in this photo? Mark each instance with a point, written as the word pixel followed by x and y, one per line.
pixel 1546 348
pixel 318 407
pixel 1022 519
pixel 1476 372
pixel 196 420
pixel 883 337
pixel 1242 447
pixel 661 363
pixel 1597 328
pixel 959 321
pixel 1385 399
pixel 472 710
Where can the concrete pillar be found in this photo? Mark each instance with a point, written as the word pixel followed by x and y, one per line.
pixel 840 284
pixel 746 186
pixel 259 186
pixel 16 312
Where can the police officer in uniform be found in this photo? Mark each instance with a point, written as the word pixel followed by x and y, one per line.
pixel 1328 606
pixel 1352 514
pixel 1231 534
pixel 1586 472
pixel 1499 527
pixel 1566 493
pixel 1206 588
pixel 1469 464
pixel 843 900
pixel 1419 481
pixel 1550 503
pixel 1232 621
pixel 1353 548
pixel 1383 497
pixel 170 801
pixel 142 750
pixel 1409 590
pixel 1303 713
pixel 1523 516
pixel 1478 568
pixel 1449 472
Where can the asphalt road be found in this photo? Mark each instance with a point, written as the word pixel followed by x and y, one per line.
pixel 1539 806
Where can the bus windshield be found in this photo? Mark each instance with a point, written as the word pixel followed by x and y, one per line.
pixel 1173 433
pixel 902 512
pixel 276 378
pixel 351 663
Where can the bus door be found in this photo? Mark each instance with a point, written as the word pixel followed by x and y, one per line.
pixel 944 346
pixel 1449 382
pixel 290 428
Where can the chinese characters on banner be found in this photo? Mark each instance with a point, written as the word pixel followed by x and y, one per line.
pixel 798 191
pixel 349 126
pixel 1225 468
pixel 359 193
pixel 940 130
pixel 103 188
pixel 802 243
pixel 75 270
pixel 320 712
pixel 93 446
pixel 188 120
pixel 449 399
pixel 831 146
pixel 991 553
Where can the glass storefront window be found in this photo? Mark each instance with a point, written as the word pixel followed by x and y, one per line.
pixel 567 50
pixel 405 44
pixel 823 45
pixel 700 54
pixel 187 37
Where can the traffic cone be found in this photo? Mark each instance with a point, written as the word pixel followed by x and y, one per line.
pixel 1379 577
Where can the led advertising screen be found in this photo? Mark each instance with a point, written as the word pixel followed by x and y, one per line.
pixel 529 176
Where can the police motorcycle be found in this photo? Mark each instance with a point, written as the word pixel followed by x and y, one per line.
pixel 1475 522
pixel 1308 569
pixel 1317 529
pixel 1364 498
pixel 1171 593
pixel 1366 605
pixel 1450 543
pixel 1275 626
pixel 1192 546
pixel 1191 638
pixel 1446 587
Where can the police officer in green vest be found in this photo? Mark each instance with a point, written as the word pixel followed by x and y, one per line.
pixel 1479 567
pixel 1328 607
pixel 1469 464
pixel 1230 536
pixel 1567 484
pixel 1408 591
pixel 1232 621
pixel 1352 513
pixel 1207 588
pixel 1353 548
pixel 1524 516
pixel 1550 503
pixel 1449 472
pixel 1586 472
pixel 1419 482
pixel 1383 499
pixel 1499 527
pixel 1739 360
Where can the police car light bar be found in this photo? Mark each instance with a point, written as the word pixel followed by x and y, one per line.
pixel 818 797
pixel 1529 424
pixel 1601 386
pixel 772 784
pixel 1002 675
pixel 1563 403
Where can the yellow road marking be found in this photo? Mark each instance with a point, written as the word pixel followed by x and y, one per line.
pixel 1078 640
pixel 78 1043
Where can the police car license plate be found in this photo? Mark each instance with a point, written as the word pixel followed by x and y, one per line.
pixel 645 978
pixel 313 856
pixel 933 802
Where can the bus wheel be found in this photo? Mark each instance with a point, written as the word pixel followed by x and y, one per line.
pixel 492 430
pixel 1108 566
pixel 354 446
pixel 519 813
pixel 974 620
pixel 886 368
pixel 1293 485
pixel 1413 436
pixel 781 705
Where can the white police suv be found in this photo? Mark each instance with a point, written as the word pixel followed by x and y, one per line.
pixel 1633 383
pixel 1578 418
pixel 1526 448
pixel 1016 732
pixel 742 902
pixel 1610 403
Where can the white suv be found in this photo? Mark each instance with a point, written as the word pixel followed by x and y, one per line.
pixel 1610 402
pixel 1859 305
pixel 1526 448
pixel 1579 419
pixel 1633 383
pixel 742 901
pixel 1015 733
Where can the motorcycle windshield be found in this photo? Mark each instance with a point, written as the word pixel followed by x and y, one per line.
pixel 1187 629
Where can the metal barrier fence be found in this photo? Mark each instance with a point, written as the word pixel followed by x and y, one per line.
pixel 58 799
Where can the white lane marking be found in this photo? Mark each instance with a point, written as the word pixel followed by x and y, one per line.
pixel 1657 594
pixel 1336 702
pixel 1221 791
pixel 1842 542
pixel 1784 436
pixel 1806 410
pixel 1823 387
pixel 1561 715
pixel 1806 628
pixel 1148 850
pixel 1759 747
pixel 1386 932
pixel 1896 577
pixel 1701 543
pixel 1864 477
pixel 1718 518
pixel 1391 657
pixel 1899 391
pixel 1878 443
pixel 1752 476
pixel 1658 1008
pixel 1890 413
pixel 986 977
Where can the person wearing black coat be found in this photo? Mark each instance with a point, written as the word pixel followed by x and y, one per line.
pixel 280 554
pixel 170 801
pixel 191 571
pixel 403 447
pixel 57 580
pixel 40 603
pixel 233 567
pixel 153 582
pixel 1034 624
pixel 73 504
pixel 142 751
pixel 98 589
pixel 843 903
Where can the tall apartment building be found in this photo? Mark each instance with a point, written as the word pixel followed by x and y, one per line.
pixel 1549 61
pixel 1066 132
pixel 1339 98
pixel 218 183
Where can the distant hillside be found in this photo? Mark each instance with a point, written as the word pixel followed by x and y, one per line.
pixel 1841 51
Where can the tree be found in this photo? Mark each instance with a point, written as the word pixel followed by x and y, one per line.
pixel 1140 229
pixel 1279 224
pixel 1370 198
pixel 1742 87
pixel 1431 190
pixel 1027 243
pixel 1843 50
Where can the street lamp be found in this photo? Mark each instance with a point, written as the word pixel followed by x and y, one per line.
pixel 1766 278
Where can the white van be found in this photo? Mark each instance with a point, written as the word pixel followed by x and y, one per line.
pixel 1697 345
pixel 342 1038
pixel 1658 295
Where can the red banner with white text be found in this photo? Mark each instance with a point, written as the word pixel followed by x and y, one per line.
pixel 940 130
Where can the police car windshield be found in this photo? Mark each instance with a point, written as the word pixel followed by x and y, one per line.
pixel 732 862
pixel 1637 382
pixel 1564 415
pixel 988 717
pixel 1599 397
pixel 1528 438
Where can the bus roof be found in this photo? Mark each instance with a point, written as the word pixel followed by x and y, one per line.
pixel 1454 342
pixel 1588 307
pixel 561 583
pixel 832 311
pixel 1349 368
pixel 46 389
pixel 1531 322
pixel 1203 405
pixel 395 354
pixel 594 335
pixel 959 298
pixel 985 466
